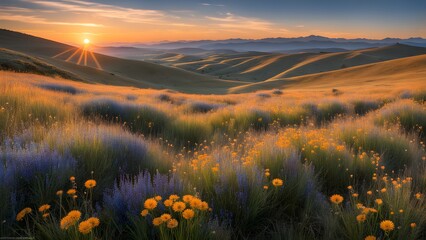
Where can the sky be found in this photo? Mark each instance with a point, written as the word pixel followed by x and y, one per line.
pixel 146 21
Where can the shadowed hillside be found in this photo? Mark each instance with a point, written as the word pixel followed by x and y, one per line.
pixel 94 67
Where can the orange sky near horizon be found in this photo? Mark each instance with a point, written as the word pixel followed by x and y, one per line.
pixel 71 21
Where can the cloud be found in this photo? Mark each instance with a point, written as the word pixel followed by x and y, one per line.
pixel 214 5
pixel 231 21
pixel 38 20
pixel 124 14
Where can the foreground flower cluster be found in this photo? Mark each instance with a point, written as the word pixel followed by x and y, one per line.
pixel 70 224
pixel 175 215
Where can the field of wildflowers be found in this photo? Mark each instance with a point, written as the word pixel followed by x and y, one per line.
pixel 82 161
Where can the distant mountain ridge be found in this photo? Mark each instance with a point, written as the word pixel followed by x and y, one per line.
pixel 285 44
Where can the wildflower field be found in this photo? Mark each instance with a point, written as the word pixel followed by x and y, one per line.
pixel 83 161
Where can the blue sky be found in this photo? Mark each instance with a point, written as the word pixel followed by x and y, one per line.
pixel 156 20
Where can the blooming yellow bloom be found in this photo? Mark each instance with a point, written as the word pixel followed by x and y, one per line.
pixel 359 206
pixel 44 208
pixel 172 223
pixel 413 225
pixel 265 187
pixel 336 199
pixel 355 195
pixel 188 214
pixel 165 217
pixel 383 190
pixel 157 221
pixel 379 201
pixel 350 187
pixel 387 225
pixel 187 198
pixel 168 203
pixel 23 213
pixel 144 212
pixel 74 214
pixel 70 219
pixel 85 227
pixel 418 195
pixel 277 182
pixel 179 206
pixel 72 178
pixel 195 203
pixel 158 198
pixel 174 197
pixel 361 218
pixel 204 206
pixel 71 191
pixel 370 237
pixel 59 193
pixel 150 203
pixel 369 192
pixel 90 183
pixel 46 215
pixel 94 221
pixel 369 210
pixel 267 174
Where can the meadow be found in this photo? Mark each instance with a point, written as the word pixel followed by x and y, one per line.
pixel 89 161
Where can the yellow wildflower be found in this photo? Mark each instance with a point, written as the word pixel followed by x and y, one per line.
pixel 195 203
pixel 188 214
pixel 387 225
pixel 165 217
pixel 23 213
pixel 150 203
pixel 174 197
pixel 277 182
pixel 168 203
pixel 144 212
pixel 90 184
pixel 85 227
pixel 370 237
pixel 44 208
pixel 336 199
pixel 71 191
pixel 157 221
pixel 361 218
pixel 94 221
pixel 172 223
pixel 158 198
pixel 179 206
pixel 204 206
pixel 187 198
pixel 379 201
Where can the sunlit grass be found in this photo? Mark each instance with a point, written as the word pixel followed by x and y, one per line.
pixel 266 169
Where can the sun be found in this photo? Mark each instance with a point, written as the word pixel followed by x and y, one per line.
pixel 86 41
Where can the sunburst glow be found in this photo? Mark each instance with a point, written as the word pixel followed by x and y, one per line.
pixel 86 41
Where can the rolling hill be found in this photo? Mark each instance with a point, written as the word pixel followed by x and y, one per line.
pixel 258 66
pixel 386 74
pixel 111 70
pixel 194 70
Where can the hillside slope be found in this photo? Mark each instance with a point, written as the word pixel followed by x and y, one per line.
pixel 94 67
pixel 398 72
